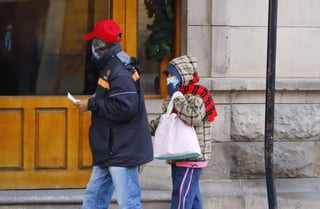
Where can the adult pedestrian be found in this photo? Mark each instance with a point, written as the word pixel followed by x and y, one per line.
pixel 119 134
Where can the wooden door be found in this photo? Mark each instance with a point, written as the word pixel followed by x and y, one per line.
pixel 44 143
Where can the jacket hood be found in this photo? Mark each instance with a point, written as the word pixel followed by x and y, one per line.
pixel 187 66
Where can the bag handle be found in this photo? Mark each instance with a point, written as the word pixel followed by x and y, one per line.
pixel 170 106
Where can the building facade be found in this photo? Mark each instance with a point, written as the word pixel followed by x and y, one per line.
pixel 229 39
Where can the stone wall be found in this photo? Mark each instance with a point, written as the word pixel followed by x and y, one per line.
pixel 229 38
pixel 235 176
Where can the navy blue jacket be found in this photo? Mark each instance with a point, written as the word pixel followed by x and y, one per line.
pixel 119 132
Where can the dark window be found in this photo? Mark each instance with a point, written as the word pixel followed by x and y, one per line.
pixel 42 51
pixel 22 29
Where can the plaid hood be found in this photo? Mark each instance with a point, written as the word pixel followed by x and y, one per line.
pixel 187 66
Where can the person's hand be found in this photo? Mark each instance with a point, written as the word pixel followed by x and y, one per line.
pixel 83 105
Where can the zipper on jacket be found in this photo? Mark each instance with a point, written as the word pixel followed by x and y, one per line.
pixel 110 141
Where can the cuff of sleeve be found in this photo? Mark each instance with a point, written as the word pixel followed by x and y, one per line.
pixel 177 94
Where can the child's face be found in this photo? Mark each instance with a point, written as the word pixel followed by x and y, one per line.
pixel 170 75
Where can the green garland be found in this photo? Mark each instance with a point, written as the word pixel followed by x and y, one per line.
pixel 160 41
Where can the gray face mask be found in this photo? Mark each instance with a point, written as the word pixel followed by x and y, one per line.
pixel 98 48
pixel 94 53
pixel 174 80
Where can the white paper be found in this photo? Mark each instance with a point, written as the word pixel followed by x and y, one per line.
pixel 74 100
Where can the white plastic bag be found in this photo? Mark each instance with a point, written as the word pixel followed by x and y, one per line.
pixel 174 139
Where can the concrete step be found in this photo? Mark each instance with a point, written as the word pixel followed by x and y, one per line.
pixel 218 194
pixel 70 199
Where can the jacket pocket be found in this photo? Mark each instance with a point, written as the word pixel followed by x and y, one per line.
pixel 100 143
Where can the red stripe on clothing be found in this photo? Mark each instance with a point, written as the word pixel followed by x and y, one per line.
pixel 202 91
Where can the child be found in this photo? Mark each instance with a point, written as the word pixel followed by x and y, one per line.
pixel 197 109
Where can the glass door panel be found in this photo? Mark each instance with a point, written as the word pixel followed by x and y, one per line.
pixel 151 68
pixel 42 51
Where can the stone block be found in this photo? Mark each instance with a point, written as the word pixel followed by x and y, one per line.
pixel 219 164
pixel 200 37
pixel 297 55
pixel 149 170
pixel 247 160
pixel 313 97
pixel 221 202
pixel 255 201
pixel 240 13
pixel 155 182
pixel 317 159
pixel 299 200
pixel 291 160
pixel 295 122
pixel 294 159
pixel 156 175
pixel 239 51
pixel 221 54
pixel 199 18
pixel 247 122
pixel 288 90
pixel 221 125
pixel 220 12
pixel 221 187
pixel 299 13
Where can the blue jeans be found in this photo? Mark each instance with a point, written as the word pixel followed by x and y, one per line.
pixel 186 190
pixel 103 180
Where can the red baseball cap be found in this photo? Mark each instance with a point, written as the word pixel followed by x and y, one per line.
pixel 105 30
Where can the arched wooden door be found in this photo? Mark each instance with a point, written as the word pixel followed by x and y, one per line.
pixel 44 139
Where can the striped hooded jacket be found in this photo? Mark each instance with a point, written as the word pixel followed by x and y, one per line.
pixel 190 109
